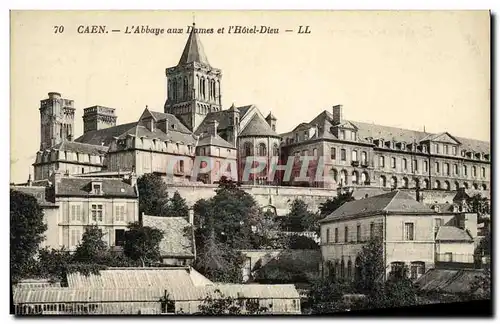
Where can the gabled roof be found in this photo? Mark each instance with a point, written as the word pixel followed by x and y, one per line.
pixel 174 123
pixel 171 135
pixel 223 118
pixel 78 147
pixel 392 202
pixel 452 233
pixel 193 50
pixel 176 242
pixel 258 127
pixel 212 140
pixel 80 187
pixel 106 136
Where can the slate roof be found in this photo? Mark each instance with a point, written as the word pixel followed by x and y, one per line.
pixel 172 135
pixel 174 243
pixel 193 50
pixel 37 192
pixel 258 127
pixel 80 187
pixel 366 130
pixel 70 146
pixel 223 117
pixel 174 123
pixel 214 141
pixel 452 233
pixel 393 202
pixel 97 137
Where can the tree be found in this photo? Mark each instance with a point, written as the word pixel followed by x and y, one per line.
pixel 480 288
pixel 331 204
pixel 369 267
pixel 153 195
pixel 478 204
pixel 398 291
pixel 300 218
pixel 267 234
pixel 299 242
pixel 219 304
pixel 92 247
pixel 326 295
pixel 177 206
pixel 26 233
pixel 142 243
pixel 52 263
pixel 217 261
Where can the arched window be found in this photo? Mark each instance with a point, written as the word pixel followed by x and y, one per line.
pixel 394 182
pixel 185 90
pixel 475 186
pixel 466 185
pixel 342 269
pixel 483 172
pixel 315 152
pixel 447 185
pixel 355 177
pixel 405 164
pixel 437 184
pixel 349 269
pixel 465 170
pixel 262 149
pixel 354 155
pixel 276 150
pixel 383 182
pixel 334 174
pixel 357 269
pixel 474 174
pixel 457 185
pixel 484 187
pixel 248 149
pixel 426 184
pixel 364 158
pixel 417 182
pixel 405 182
pixel 417 269
pixel 364 178
pixel 343 177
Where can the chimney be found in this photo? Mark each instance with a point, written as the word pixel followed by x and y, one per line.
pixel 30 182
pixel 337 114
pixel 213 132
pixel 191 216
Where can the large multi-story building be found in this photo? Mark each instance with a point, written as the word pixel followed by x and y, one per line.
pixel 194 123
pixel 412 235
pixel 361 154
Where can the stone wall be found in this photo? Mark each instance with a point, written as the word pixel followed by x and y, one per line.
pixel 278 197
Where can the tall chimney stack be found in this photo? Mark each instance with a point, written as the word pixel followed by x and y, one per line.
pixel 337 114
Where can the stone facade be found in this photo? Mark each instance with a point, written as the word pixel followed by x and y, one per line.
pixel 409 232
pixel 361 154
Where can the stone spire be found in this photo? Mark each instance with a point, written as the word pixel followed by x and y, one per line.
pixel 193 51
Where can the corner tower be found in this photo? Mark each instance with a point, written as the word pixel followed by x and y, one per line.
pixel 193 86
pixel 57 120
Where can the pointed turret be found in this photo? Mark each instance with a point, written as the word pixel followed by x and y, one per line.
pixel 193 51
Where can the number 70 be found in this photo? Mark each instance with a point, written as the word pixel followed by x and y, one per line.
pixel 58 29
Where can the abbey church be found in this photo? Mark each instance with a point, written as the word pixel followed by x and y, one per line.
pixel 193 123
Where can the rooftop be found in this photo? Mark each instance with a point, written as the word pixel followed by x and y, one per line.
pixel 392 202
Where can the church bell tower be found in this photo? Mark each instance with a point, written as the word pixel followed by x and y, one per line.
pixel 193 86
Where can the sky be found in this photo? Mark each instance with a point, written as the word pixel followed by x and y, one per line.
pixel 409 69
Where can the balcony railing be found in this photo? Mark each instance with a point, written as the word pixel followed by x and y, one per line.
pixel 454 257
pixel 355 163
